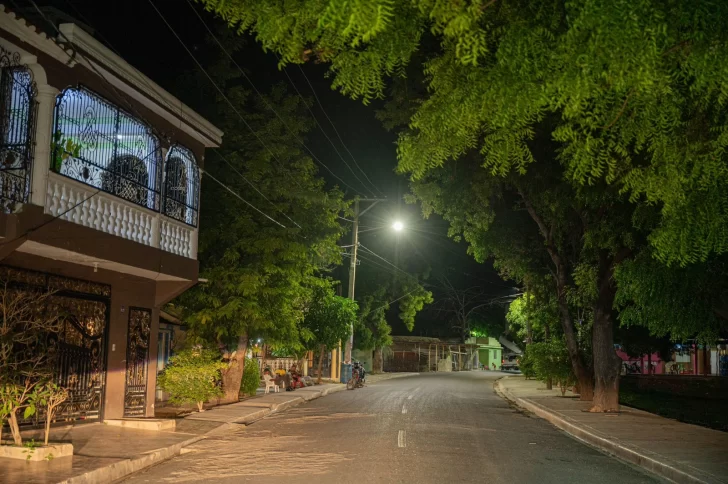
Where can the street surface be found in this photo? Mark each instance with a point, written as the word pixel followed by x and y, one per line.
pixel 431 428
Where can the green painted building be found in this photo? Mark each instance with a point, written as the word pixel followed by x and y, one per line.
pixel 490 352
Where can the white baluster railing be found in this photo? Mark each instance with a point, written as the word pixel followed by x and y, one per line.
pixel 80 204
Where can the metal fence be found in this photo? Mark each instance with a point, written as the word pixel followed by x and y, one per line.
pixel 17 126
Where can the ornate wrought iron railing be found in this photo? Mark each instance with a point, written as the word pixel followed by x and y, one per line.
pixel 17 127
pixel 181 186
pixel 98 144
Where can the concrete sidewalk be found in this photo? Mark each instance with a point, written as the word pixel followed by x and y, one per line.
pixel 105 453
pixel 681 452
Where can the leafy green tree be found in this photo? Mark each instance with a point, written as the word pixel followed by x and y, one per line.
pixel 259 267
pixel 675 302
pixel 192 376
pixel 328 320
pixel 633 92
pixel 373 332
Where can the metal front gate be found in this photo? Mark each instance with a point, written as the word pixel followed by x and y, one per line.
pixel 137 362
pixel 80 363
pixel 76 350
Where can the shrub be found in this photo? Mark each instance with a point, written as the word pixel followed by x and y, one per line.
pixel 192 376
pixel 550 359
pixel 251 378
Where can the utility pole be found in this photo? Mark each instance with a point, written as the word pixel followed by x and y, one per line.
pixel 352 266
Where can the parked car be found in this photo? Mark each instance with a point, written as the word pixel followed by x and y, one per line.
pixel 510 362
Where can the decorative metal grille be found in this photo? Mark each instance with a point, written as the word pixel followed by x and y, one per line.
pixel 77 350
pixel 137 362
pixel 117 153
pixel 80 359
pixel 17 128
pixel 181 185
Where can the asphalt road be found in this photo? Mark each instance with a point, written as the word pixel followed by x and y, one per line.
pixel 431 428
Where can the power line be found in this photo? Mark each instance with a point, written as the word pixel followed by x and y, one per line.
pixel 242 71
pixel 40 226
pixel 336 131
pixel 244 200
pixel 393 301
pixel 174 32
pixel 324 132
pixel 255 188
pixel 173 108
pixel 385 260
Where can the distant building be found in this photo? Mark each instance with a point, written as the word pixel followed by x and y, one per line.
pixel 490 352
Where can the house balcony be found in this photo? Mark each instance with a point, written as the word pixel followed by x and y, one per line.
pixel 76 202
pixel 85 181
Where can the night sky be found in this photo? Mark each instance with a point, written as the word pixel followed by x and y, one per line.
pixel 138 34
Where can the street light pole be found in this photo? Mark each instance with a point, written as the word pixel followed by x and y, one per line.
pixel 352 266
pixel 352 274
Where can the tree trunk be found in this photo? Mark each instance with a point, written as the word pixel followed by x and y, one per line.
pixel 547 336
pixel 584 378
pixel 649 363
pixel 232 376
pixel 378 361
pixel 47 428
pixel 14 428
pixel 606 361
pixel 322 349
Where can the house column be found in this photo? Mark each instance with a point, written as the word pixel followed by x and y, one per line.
pixel 43 137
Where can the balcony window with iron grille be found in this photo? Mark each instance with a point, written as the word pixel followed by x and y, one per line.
pixel 17 128
pixel 181 185
pixel 98 144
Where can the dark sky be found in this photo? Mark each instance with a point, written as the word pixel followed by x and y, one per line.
pixel 136 31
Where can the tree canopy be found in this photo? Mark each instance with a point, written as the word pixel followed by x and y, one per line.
pixel 633 86
pixel 260 267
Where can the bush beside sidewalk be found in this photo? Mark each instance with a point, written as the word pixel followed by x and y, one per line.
pixel 681 452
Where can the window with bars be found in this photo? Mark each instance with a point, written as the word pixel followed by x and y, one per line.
pixel 181 185
pixel 98 144
pixel 17 128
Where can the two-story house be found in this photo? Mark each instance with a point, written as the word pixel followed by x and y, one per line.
pixel 99 186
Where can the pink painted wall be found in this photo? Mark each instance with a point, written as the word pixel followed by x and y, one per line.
pixel 659 365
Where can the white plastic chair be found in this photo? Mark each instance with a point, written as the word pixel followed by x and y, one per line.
pixel 270 383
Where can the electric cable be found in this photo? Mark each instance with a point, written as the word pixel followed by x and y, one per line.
pixel 219 90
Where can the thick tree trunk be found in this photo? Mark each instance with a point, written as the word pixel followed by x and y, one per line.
pixel 232 376
pixel 378 361
pixel 606 361
pixel 322 349
pixel 606 366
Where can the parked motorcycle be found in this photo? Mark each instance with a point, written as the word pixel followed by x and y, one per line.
pixel 358 377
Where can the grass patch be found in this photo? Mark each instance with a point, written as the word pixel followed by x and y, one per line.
pixel 699 411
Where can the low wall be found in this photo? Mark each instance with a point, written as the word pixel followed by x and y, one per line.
pixel 712 387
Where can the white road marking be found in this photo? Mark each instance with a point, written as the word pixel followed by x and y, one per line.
pixel 401 439
pixel 410 397
pixel 404 409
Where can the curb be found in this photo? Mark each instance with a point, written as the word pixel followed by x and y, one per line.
pixel 124 468
pixel 634 456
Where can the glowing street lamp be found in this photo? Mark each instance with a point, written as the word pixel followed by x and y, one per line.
pixel 398 226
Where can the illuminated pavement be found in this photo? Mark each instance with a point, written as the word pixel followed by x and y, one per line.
pixel 431 428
